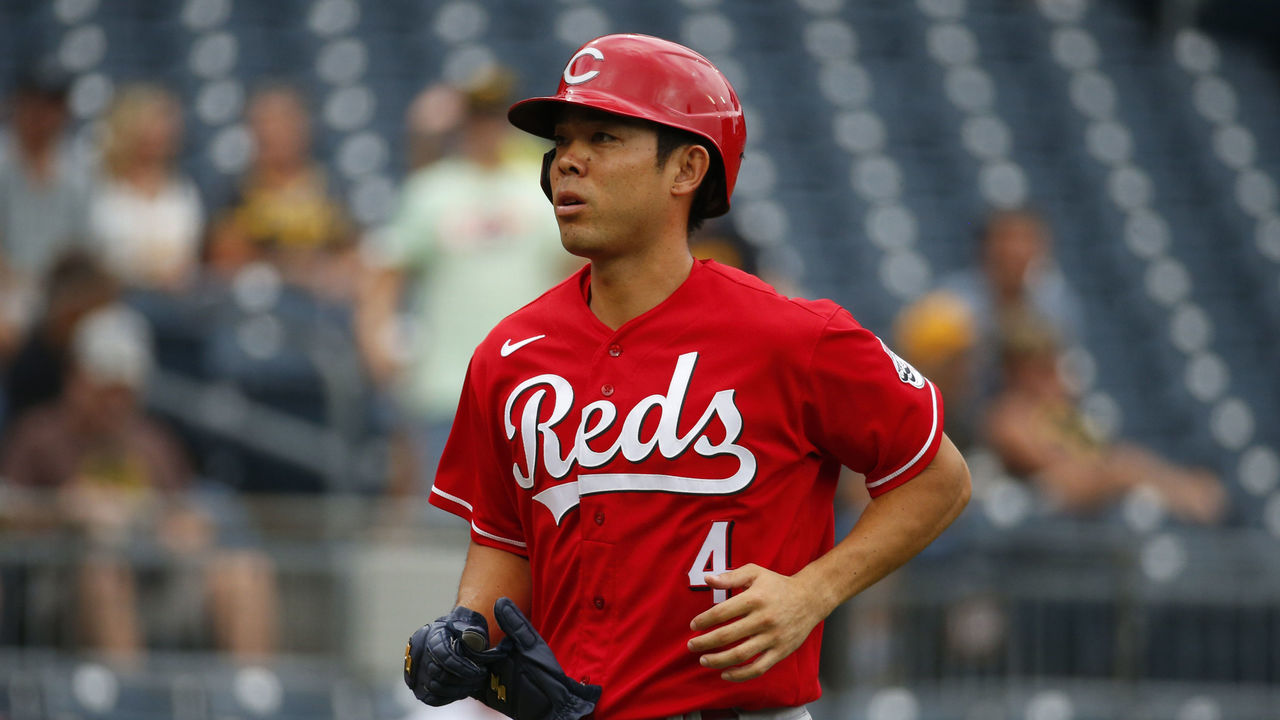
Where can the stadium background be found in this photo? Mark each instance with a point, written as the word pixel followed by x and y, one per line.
pixel 880 131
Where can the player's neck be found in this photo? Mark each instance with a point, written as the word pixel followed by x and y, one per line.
pixel 624 288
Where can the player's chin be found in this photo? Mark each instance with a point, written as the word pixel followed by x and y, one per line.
pixel 578 243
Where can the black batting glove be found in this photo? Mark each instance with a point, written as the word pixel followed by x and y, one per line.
pixel 528 682
pixel 446 660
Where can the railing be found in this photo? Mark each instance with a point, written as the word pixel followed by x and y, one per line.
pixel 1044 619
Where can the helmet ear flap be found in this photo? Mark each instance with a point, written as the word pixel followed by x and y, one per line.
pixel 547 159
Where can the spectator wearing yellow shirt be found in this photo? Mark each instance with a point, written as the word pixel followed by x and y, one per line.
pixel 284 212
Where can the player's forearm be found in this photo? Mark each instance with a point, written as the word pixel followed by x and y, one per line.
pixel 892 529
pixel 491 574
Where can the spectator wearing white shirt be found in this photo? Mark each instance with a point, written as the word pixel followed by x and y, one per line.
pixel 146 218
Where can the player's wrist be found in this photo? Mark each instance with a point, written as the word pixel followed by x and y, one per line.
pixel 824 596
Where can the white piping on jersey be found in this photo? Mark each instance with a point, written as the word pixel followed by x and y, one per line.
pixel 475 527
pixel 447 496
pixel 933 396
pixel 499 538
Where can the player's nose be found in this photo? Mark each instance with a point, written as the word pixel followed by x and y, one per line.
pixel 570 159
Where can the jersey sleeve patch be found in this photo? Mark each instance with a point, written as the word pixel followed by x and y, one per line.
pixel 906 372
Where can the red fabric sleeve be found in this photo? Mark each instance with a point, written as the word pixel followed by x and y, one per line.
pixel 471 481
pixel 869 408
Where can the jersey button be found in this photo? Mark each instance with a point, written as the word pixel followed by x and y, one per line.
pixel 606 390
pixel 598 602
pixel 599 517
pixel 615 350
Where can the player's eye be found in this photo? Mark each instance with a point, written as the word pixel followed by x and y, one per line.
pixel 558 140
pixel 602 137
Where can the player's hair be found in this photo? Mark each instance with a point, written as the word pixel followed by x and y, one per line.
pixel 669 140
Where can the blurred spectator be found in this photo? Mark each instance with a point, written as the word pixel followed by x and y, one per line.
pixel 432 124
pixel 1036 429
pixel 1015 272
pixel 718 241
pixel 76 285
pixel 121 484
pixel 938 335
pixel 284 211
pixel 474 239
pixel 145 218
pixel 43 193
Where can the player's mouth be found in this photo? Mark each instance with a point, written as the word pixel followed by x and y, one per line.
pixel 568 203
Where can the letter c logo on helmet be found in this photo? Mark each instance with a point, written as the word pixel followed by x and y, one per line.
pixel 570 78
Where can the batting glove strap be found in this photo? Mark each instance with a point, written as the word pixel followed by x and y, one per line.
pixel 439 668
pixel 528 683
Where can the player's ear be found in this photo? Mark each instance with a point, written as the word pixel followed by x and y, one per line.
pixel 691 163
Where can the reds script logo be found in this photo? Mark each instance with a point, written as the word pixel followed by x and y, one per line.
pixel 538 439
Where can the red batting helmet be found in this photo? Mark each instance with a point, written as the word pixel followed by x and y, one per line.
pixel 652 79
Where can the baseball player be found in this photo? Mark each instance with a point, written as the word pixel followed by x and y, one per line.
pixel 647 454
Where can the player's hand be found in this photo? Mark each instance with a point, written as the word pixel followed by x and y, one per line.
pixel 441 665
pixel 764 623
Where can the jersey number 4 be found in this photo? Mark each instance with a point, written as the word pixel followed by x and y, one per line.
pixel 713 559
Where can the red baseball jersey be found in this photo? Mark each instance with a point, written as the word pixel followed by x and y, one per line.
pixel 700 436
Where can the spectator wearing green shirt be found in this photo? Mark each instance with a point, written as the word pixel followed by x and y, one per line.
pixel 473 240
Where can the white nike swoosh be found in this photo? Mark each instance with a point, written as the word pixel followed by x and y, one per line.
pixel 509 347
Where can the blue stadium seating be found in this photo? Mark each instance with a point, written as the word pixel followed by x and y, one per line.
pixel 1138 364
